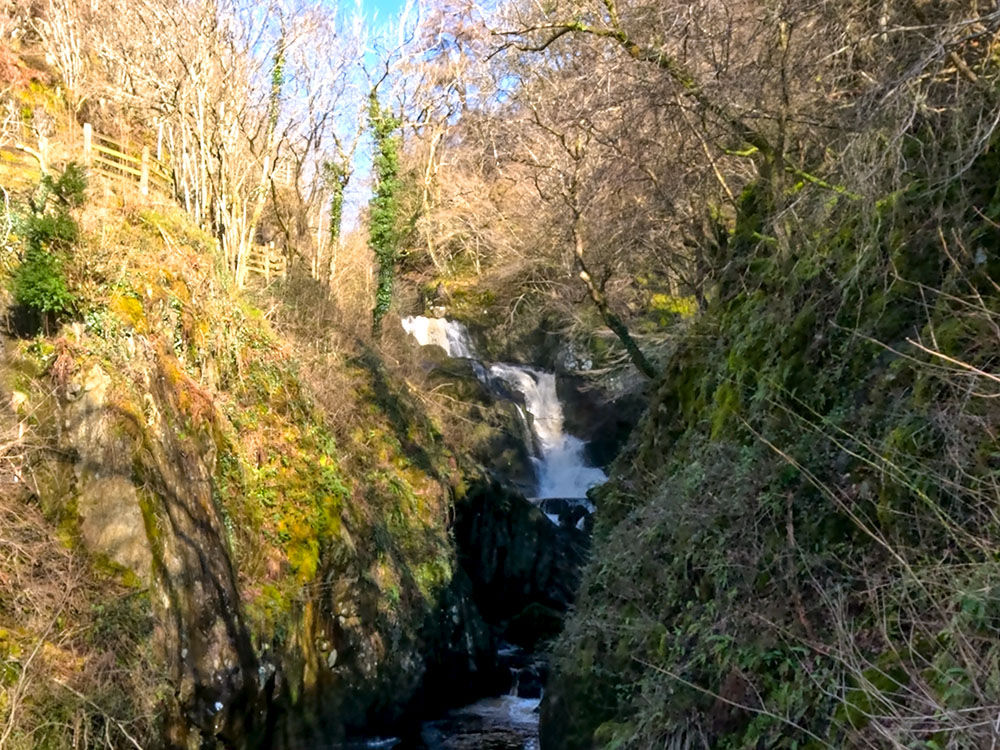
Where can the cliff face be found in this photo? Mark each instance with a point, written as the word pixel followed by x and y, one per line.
pixel 797 549
pixel 289 573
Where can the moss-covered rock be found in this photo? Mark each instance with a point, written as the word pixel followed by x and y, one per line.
pixel 300 572
pixel 788 543
pixel 494 433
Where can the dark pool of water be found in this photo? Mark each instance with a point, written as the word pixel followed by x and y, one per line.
pixel 503 723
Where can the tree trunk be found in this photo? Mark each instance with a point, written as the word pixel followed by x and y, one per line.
pixel 612 321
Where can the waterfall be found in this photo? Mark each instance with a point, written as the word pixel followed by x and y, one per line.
pixel 559 457
pixel 450 335
pixel 562 470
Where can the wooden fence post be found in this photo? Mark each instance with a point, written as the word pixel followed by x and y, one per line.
pixel 88 139
pixel 43 153
pixel 144 172
pixel 267 261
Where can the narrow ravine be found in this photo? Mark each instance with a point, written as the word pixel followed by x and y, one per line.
pixel 562 479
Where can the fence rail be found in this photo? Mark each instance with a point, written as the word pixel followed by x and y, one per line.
pixel 111 158
pixel 266 261
pixel 107 156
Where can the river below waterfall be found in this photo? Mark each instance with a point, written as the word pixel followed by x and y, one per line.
pixel 562 479
pixel 502 723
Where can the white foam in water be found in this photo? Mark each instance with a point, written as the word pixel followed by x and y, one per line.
pixel 450 335
pixel 381 743
pixel 561 467
pixel 506 710
pixel 492 722
pixel 562 471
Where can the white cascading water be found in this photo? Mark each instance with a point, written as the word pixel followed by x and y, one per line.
pixel 561 467
pixel 562 471
pixel 450 335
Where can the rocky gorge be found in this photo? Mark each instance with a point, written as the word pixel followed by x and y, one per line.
pixel 523 557
pixel 297 584
pixel 448 375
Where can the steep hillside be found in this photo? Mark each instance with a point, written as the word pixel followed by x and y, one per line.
pixel 222 548
pixel 798 547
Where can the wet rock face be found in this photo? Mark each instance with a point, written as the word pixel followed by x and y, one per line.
pixel 111 521
pixel 461 653
pixel 604 420
pixel 514 555
pixel 500 441
pixel 366 674
pixel 139 480
pixel 171 536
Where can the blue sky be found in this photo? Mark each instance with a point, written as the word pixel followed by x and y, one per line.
pixel 386 8
pixel 359 190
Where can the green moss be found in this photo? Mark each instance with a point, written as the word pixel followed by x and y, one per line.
pixel 148 506
pixel 433 575
pixel 727 404
pixel 718 549
pixel 612 735
pixel 105 566
pixel 684 307
pixel 869 696
pixel 128 308
pixel 178 226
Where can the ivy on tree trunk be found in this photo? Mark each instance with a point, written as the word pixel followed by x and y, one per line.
pixel 336 175
pixel 384 205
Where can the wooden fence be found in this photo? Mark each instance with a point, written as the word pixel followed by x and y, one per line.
pixel 107 156
pixel 267 261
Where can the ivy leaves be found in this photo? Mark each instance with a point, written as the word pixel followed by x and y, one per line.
pixel 384 205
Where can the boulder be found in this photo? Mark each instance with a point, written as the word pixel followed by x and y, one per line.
pixel 601 417
pixel 572 513
pixel 528 682
pixel 514 555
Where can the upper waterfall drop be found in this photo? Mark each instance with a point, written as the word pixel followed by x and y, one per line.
pixel 450 335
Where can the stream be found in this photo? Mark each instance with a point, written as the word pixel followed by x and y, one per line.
pixel 501 723
pixel 562 479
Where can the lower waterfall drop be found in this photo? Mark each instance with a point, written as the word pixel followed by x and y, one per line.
pixel 562 469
